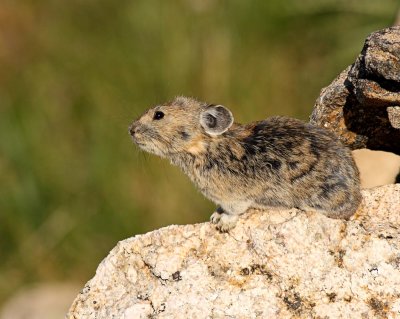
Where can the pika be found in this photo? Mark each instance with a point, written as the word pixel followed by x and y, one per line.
pixel 278 162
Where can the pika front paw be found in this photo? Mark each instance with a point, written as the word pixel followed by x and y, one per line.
pixel 224 222
pixel 215 217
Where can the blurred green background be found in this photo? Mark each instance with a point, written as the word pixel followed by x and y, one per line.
pixel 74 74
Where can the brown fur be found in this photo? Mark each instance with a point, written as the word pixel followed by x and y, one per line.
pixel 275 163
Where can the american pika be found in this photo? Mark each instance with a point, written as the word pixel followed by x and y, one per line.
pixel 279 162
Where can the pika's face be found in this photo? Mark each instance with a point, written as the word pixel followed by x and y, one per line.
pixel 183 125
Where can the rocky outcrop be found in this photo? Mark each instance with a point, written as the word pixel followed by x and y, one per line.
pixel 274 264
pixel 362 105
pixel 278 264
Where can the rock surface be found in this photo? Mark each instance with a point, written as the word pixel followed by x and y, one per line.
pixel 376 168
pixel 362 105
pixel 275 264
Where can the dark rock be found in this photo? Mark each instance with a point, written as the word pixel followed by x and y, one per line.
pixel 362 104
pixel 382 54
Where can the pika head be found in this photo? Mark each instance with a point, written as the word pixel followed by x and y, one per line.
pixel 180 126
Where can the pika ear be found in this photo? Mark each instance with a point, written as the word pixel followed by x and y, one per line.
pixel 216 119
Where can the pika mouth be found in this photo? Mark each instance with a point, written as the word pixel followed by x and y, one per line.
pixel 140 143
pixel 137 142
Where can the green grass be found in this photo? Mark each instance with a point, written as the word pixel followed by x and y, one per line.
pixel 74 74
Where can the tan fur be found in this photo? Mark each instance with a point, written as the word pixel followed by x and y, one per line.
pixel 197 146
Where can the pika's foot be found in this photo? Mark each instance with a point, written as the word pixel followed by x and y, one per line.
pixel 215 217
pixel 224 222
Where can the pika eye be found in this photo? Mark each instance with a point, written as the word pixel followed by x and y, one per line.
pixel 158 115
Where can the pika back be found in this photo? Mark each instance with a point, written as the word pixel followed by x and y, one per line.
pixel 278 162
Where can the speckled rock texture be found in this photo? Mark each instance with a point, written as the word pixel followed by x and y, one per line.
pixel 274 264
pixel 362 105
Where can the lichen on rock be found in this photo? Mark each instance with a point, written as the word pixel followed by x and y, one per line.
pixel 274 264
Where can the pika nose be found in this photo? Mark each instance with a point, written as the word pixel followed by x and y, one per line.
pixel 132 129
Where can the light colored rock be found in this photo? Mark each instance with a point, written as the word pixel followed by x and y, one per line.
pixel 275 264
pixel 376 167
pixel 394 116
